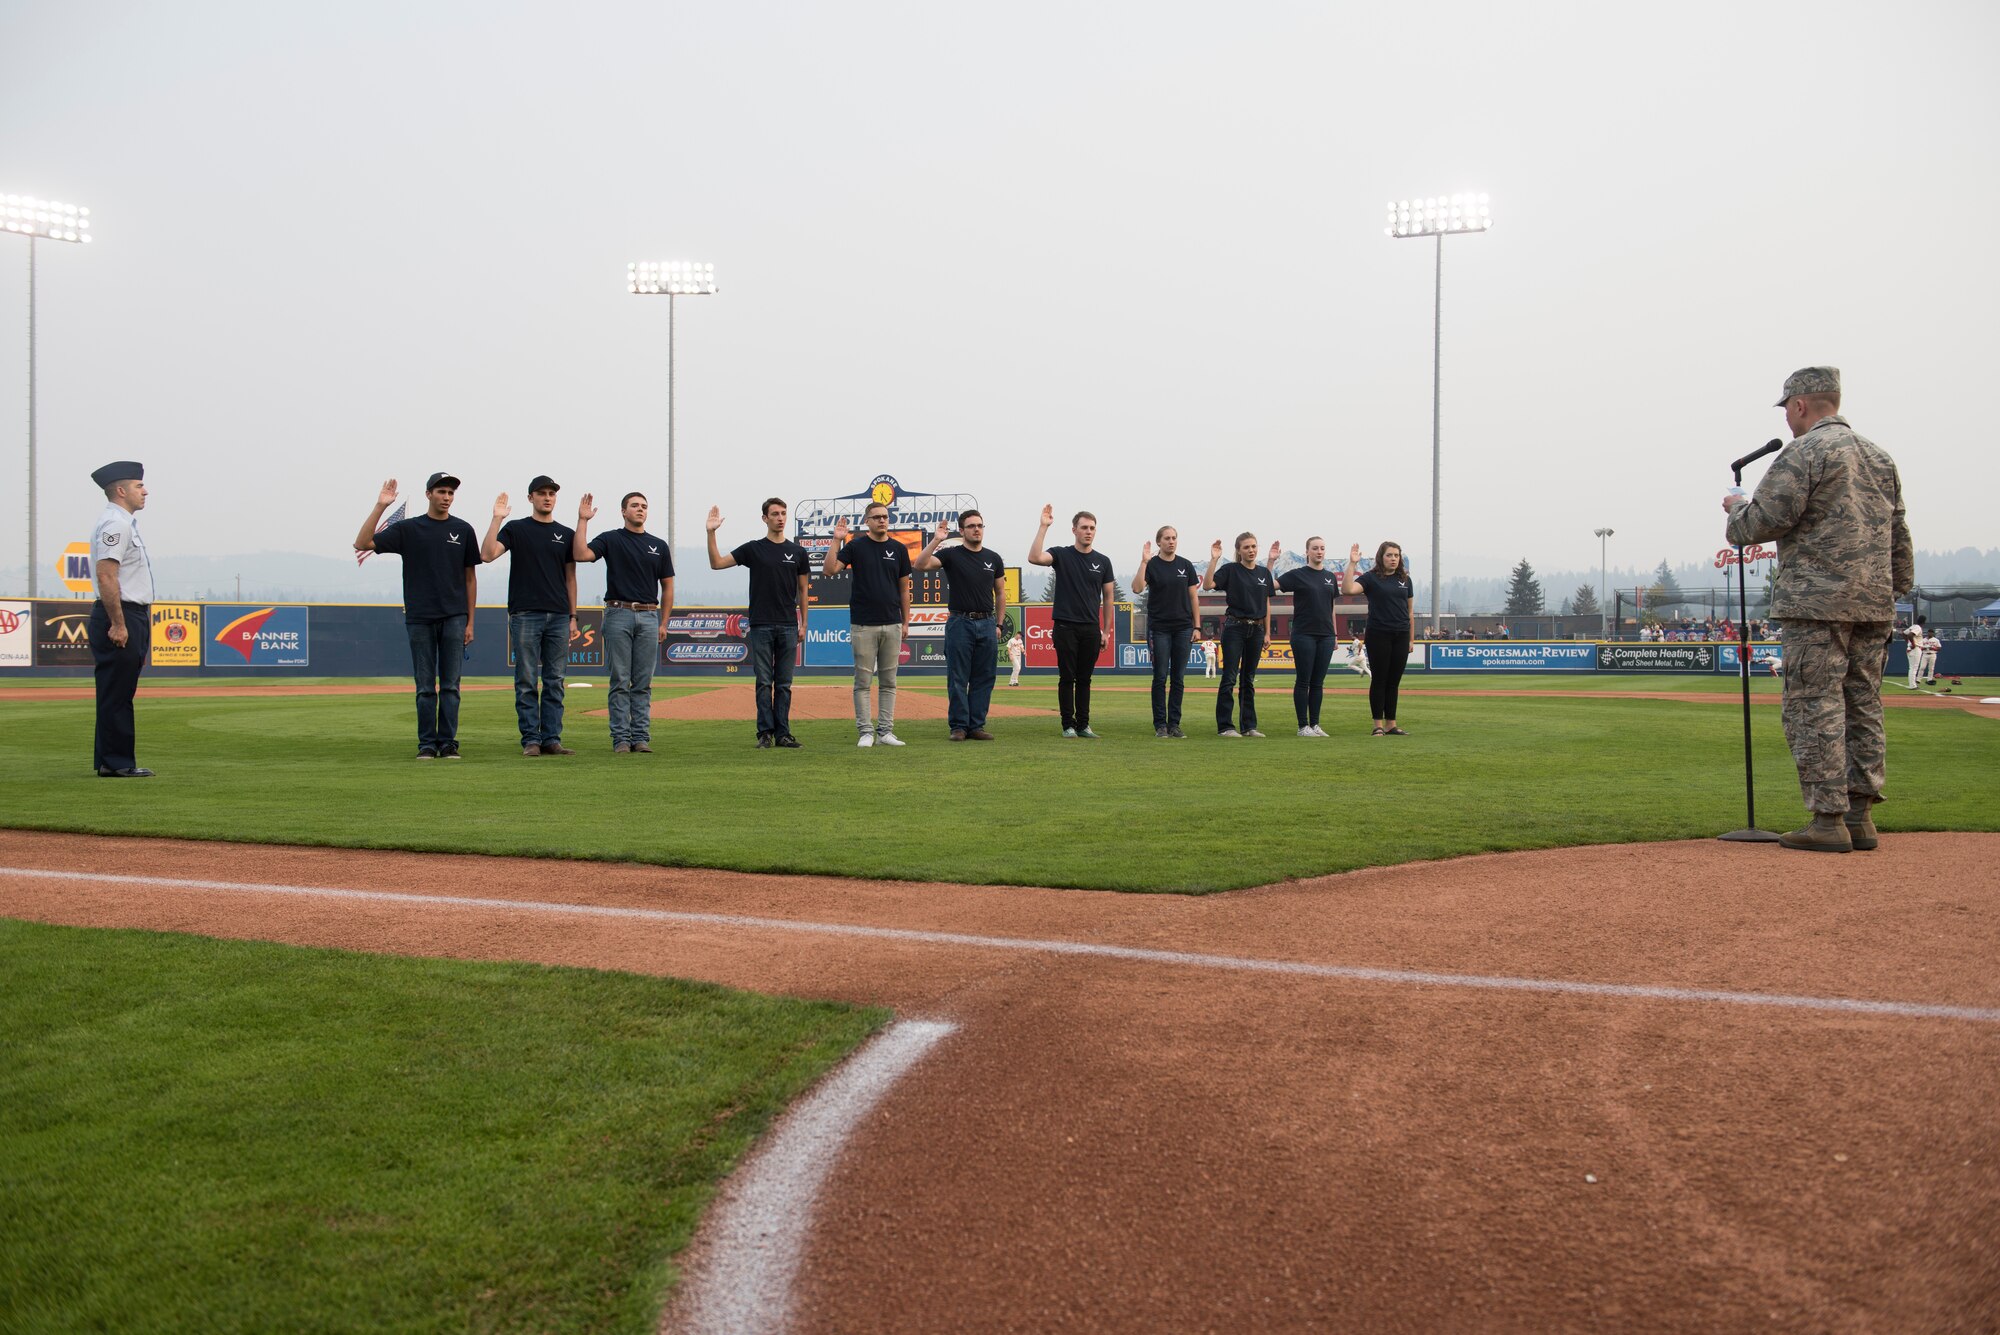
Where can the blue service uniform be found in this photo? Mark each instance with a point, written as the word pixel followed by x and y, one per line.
pixel 117 538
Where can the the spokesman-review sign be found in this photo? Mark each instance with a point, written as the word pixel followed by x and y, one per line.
pixel 1500 656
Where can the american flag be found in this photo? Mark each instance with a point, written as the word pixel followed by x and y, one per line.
pixel 387 520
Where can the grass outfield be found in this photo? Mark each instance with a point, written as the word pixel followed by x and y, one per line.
pixel 1127 812
pixel 219 1136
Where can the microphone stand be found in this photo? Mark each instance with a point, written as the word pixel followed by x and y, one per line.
pixel 1749 834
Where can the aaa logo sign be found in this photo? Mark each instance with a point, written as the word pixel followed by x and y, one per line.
pixel 268 637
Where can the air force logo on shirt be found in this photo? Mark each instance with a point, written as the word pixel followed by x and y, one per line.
pixel 652 551
pixel 788 558
pixel 451 538
pixel 988 566
pixel 1096 569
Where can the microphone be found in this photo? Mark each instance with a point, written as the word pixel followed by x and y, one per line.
pixel 1768 447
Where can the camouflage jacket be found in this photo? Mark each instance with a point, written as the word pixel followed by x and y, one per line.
pixel 1833 502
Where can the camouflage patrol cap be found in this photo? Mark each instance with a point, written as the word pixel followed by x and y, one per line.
pixel 1811 380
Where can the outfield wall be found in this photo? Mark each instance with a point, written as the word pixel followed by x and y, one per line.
pixel 46 637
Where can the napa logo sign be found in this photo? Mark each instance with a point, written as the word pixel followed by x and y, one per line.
pixel 267 637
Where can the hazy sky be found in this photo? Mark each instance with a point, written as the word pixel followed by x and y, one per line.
pixel 1121 256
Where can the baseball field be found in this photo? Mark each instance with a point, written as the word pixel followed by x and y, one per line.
pixel 1477 1028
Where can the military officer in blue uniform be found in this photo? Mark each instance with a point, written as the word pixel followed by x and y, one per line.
pixel 121 620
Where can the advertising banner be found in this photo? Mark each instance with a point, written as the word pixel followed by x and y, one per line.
pixel 1503 656
pixel 267 637
pixel 176 635
pixel 1039 633
pixel 927 623
pixel 1656 657
pixel 17 635
pixel 62 635
pixel 74 567
pixel 1278 653
pixel 827 637
pixel 586 642
pixel 1767 658
pixel 710 637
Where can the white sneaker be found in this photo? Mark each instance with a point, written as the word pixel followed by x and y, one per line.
pixel 1253 733
pixel 888 739
pixel 1229 732
pixel 1318 731
pixel 1307 732
pixel 867 739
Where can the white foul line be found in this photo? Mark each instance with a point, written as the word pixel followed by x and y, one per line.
pixel 1186 959
pixel 755 1234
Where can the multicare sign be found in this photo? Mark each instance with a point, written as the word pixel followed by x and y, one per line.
pixel 176 635
pixel 267 637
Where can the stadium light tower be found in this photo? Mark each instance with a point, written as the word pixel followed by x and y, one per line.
pixel 1603 583
pixel 49 220
pixel 1437 217
pixel 670 279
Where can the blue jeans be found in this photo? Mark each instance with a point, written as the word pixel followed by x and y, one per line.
pixel 1169 650
pixel 437 652
pixel 772 651
pixel 541 651
pixel 631 647
pixel 1242 647
pixel 1312 655
pixel 971 653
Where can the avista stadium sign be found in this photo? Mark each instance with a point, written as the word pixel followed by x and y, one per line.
pixel 1751 555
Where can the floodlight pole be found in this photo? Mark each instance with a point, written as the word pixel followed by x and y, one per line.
pixel 30 217
pixel 673 402
pixel 31 416
pixel 1437 409
pixel 671 279
pixel 1603 583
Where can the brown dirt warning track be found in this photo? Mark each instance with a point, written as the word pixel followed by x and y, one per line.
pixel 1178 1141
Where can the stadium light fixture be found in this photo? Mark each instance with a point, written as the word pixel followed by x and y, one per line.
pixel 670 279
pixel 39 220
pixel 1603 583
pixel 1437 216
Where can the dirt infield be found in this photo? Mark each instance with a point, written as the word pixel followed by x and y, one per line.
pixel 1235 1125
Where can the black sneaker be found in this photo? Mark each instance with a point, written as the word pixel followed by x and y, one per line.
pixel 1161 732
pixel 427 753
pixel 763 741
pixel 789 742
pixel 1174 731
pixel 448 751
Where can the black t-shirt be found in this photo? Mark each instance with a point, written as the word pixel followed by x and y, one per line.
pixel 1388 599
pixel 536 582
pixel 634 564
pixel 878 569
pixel 969 578
pixel 436 554
pixel 1248 587
pixel 1313 592
pixel 1167 585
pixel 1080 581
pixel 774 569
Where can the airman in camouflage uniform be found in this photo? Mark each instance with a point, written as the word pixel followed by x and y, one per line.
pixel 1834 503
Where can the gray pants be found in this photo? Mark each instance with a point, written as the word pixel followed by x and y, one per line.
pixel 876 651
pixel 631 647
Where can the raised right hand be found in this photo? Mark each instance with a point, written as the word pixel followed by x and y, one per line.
pixel 1353 556
pixel 944 529
pixel 500 507
pixel 388 496
pixel 840 531
pixel 1145 553
pixel 1048 515
pixel 585 511
pixel 714 518
pixel 1215 550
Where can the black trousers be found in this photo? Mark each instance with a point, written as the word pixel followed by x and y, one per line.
pixel 1388 655
pixel 117 742
pixel 1077 646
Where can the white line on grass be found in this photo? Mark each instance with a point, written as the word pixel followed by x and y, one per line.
pixel 1186 959
pixel 757 1233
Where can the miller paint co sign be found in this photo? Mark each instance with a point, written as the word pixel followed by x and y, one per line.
pixel 1751 555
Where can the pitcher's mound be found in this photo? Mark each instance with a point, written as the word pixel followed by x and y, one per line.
pixel 738 700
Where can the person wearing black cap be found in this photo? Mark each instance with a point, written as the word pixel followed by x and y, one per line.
pixel 440 589
pixel 638 603
pixel 121 620
pixel 541 611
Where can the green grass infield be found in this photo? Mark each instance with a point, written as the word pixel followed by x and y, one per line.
pixel 223 1136
pixel 1480 772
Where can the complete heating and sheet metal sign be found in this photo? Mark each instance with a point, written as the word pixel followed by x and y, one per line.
pixel 1691 657
pixel 919 511
pixel 1502 656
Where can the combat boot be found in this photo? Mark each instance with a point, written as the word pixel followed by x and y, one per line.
pixel 1860 820
pixel 1826 834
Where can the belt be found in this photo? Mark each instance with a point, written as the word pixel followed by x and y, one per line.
pixel 1244 621
pixel 127 602
pixel 632 607
pixel 974 616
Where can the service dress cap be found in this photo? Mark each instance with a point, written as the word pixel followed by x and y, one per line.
pixel 125 470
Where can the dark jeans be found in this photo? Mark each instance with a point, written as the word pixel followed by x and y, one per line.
pixel 541 651
pixel 116 745
pixel 1077 646
pixel 971 652
pixel 1388 655
pixel 772 651
pixel 1169 650
pixel 1242 647
pixel 437 652
pixel 1312 655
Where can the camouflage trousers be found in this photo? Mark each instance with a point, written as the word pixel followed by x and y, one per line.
pixel 1833 708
